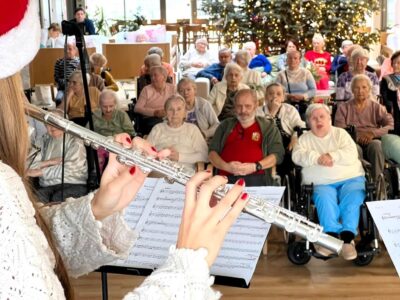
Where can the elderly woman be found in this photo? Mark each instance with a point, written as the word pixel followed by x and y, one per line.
pixel 371 121
pixel 330 162
pixel 358 64
pixel 251 77
pixel 199 110
pixel 150 104
pixel 76 102
pixel 151 60
pixel 321 60
pixel 196 59
pixel 48 166
pixel 298 81
pixel 222 94
pixel 108 120
pixel 98 62
pixel 184 140
pixel 286 118
pixel 390 91
pixel 290 45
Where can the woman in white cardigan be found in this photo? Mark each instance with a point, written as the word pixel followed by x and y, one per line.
pixel 199 110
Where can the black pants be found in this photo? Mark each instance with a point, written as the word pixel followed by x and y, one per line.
pixel 253 179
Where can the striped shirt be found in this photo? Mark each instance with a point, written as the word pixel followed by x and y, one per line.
pixel 71 66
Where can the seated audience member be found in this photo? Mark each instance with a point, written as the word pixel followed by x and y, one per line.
pixel 346 67
pixel 150 104
pixel 321 60
pixel 298 82
pixel 151 60
pixel 246 147
pixel 286 118
pixel 251 77
pixel 358 63
pixel 257 60
pixel 110 121
pixel 98 62
pixel 160 53
pixel 72 63
pixel 340 60
pixel 54 37
pixel 76 101
pixel 215 72
pixel 199 110
pixel 85 25
pixel 389 89
pixel 222 94
pixel 183 139
pixel 196 59
pixel 290 45
pixel 329 160
pixel 371 121
pixel 48 166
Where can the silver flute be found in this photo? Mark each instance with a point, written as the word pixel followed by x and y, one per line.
pixel 174 172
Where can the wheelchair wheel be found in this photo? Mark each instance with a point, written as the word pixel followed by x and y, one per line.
pixel 287 202
pixel 363 259
pixel 297 253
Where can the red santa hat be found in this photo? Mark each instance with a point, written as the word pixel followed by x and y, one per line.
pixel 19 34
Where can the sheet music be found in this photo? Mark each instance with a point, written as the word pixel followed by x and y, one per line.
pixel 159 225
pixel 386 215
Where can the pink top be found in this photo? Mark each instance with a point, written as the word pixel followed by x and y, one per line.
pixel 151 100
pixel 373 118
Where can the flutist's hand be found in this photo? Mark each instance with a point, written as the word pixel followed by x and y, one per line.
pixel 204 225
pixel 119 183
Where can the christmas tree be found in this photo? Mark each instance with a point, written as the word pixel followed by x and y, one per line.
pixel 270 22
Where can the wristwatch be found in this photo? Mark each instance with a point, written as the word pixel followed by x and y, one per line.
pixel 258 166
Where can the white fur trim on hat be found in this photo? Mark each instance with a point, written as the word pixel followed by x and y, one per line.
pixel 20 45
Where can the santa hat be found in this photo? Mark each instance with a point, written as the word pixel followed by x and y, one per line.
pixel 19 34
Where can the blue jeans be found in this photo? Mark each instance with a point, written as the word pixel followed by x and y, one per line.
pixel 338 204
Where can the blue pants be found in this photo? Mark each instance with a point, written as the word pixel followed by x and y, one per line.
pixel 338 204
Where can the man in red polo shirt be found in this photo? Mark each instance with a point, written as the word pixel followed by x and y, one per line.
pixel 246 146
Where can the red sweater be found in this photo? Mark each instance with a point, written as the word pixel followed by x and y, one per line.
pixel 321 60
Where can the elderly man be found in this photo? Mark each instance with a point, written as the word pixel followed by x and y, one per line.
pixel 215 72
pixel 108 120
pixel 245 146
pixel 371 121
pixel 330 161
pixel 85 25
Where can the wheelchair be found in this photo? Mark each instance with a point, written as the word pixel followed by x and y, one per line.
pixel 298 198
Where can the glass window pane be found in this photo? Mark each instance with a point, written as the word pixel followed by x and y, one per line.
pixel 178 9
pixel 119 9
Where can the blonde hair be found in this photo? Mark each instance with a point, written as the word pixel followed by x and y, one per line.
pixel 13 151
pixel 98 59
pixel 243 54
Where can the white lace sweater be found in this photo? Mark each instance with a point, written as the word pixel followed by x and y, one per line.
pixel 27 263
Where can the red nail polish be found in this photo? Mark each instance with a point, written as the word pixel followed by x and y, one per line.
pixel 240 182
pixel 154 149
pixel 132 170
pixel 244 196
pixel 208 171
pixel 128 140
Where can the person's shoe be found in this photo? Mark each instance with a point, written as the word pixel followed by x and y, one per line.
pixel 322 250
pixel 349 251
